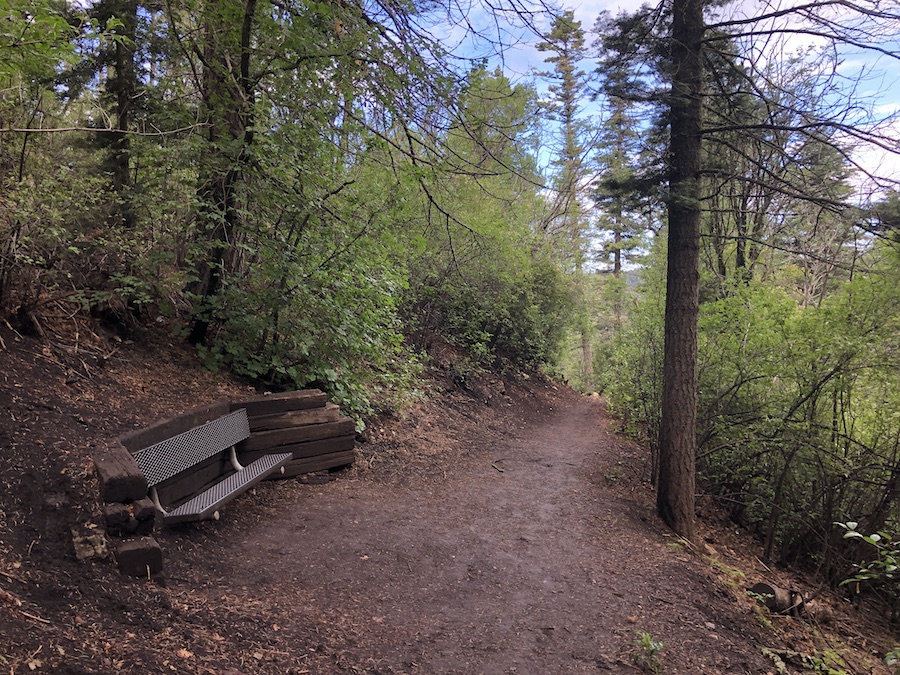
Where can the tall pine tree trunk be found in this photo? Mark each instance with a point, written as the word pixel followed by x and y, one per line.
pixel 677 436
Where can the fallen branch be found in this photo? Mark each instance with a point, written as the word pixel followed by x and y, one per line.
pixel 8 597
pixel 33 617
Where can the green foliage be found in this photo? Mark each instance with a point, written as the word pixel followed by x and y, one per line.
pixel 337 331
pixel 297 181
pixel 797 402
pixel 512 320
pixel 505 309
pixel 633 379
pixel 805 428
pixel 646 653
pixel 892 658
pixel 732 577
pixel 47 221
pixel 314 302
pixel 35 36
pixel 795 407
pixel 881 573
pixel 478 273
pixel 827 663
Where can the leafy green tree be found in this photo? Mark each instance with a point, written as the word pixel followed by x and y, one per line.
pixel 774 191
pixel 618 192
pixel 36 40
pixel 633 380
pixel 228 95
pixel 480 275
pixel 792 430
pixel 620 207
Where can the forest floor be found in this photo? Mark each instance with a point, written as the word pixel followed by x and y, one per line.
pixel 504 527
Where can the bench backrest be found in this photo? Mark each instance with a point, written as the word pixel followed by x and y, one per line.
pixel 170 457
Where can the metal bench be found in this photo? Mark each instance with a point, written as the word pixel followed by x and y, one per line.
pixel 168 458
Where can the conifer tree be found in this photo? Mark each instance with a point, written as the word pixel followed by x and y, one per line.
pixel 566 221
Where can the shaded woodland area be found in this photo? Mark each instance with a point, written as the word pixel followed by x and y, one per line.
pixel 313 194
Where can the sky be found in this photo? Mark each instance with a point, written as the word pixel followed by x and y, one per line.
pixel 881 89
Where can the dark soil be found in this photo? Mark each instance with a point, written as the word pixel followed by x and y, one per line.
pixel 500 527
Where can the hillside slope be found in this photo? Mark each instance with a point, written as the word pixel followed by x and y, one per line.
pixel 499 527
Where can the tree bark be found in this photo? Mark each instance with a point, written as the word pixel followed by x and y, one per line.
pixel 587 357
pixel 228 99
pixel 677 436
pixel 125 92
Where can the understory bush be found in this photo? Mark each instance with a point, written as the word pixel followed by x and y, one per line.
pixel 798 425
pixel 632 381
pixel 507 321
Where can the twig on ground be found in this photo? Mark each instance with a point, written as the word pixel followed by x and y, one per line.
pixel 37 324
pixel 33 617
pixel 759 560
pixel 8 597
pixel 8 325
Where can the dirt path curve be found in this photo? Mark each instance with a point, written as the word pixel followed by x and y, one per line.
pixel 528 557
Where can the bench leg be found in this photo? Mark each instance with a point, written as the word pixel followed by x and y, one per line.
pixel 232 455
pixel 154 497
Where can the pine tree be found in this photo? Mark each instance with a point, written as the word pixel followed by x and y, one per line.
pixel 566 44
pixel 615 192
pixel 566 221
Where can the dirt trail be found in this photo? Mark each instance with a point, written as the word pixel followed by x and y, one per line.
pixel 528 556
pixel 497 527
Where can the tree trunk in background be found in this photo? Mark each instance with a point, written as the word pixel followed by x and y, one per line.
pixel 587 354
pixel 677 437
pixel 125 93
pixel 228 102
pixel 121 91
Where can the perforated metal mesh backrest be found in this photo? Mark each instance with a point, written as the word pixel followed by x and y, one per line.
pixel 173 455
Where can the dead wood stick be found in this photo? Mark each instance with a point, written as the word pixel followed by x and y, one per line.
pixel 8 325
pixel 37 324
pixel 35 618
pixel 6 596
pixel 763 564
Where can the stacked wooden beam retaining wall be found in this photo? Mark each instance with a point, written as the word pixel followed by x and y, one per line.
pixel 302 422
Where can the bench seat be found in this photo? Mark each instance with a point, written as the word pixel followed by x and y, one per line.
pixel 185 451
pixel 207 503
